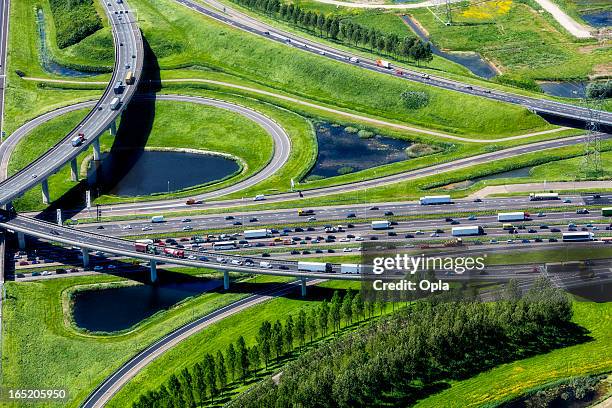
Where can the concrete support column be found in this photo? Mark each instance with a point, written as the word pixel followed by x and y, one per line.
pixel 85 253
pixel 153 264
pixel 96 149
pixel 113 128
pixel 21 240
pixel 303 286
pixel 74 172
pixel 226 281
pixel 45 191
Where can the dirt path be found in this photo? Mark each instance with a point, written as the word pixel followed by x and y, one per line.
pixel 576 29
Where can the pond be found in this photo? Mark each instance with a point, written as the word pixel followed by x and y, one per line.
pixel 570 89
pixel 516 173
pixel 47 62
pixel 341 151
pixel 115 309
pixel 471 60
pixel 149 172
pixel 602 18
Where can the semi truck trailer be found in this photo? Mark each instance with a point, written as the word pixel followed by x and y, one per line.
pixel 378 225
pixel 513 216
pixel 441 199
pixel 467 230
pixel 258 233
pixel 315 267
pixel 543 196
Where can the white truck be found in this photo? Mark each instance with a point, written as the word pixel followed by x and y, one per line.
pixel 315 267
pixel 350 268
pixel 264 264
pixel 441 199
pixel 115 103
pixel 467 230
pixel 513 216
pixel 157 218
pixel 258 233
pixel 379 225
pixel 543 196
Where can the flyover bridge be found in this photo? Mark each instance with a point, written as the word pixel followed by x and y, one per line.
pixel 129 56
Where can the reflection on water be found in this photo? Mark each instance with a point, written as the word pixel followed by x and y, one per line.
pixel 471 60
pixel 114 309
pixel 159 172
pixel 47 62
pixel 574 89
pixel 343 152
pixel 601 18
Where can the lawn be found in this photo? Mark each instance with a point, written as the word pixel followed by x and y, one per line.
pixel 521 41
pixel 176 125
pixel 513 379
pixel 41 351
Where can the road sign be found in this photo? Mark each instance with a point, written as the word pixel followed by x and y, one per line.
pixel 59 217
pixel 88 199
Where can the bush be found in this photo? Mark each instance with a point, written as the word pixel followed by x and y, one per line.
pixel 365 134
pixel 599 90
pixel 350 129
pixel 74 20
pixel 414 99
pixel 420 149
pixel 528 84
pixel 345 170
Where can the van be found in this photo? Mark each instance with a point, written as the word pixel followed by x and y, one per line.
pixel 118 89
pixel 115 104
pixel 354 59
pixel 508 226
pixel 265 264
pixel 259 197
pixel 157 218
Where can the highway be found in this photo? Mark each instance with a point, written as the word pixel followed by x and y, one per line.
pixel 228 15
pixel 129 55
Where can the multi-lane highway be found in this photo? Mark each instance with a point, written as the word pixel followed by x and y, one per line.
pixel 129 54
pixel 228 15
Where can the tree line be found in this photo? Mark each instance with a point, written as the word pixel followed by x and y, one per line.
pixel 208 379
pixel 408 354
pixel 343 30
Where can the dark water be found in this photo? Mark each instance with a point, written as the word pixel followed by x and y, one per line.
pixel 601 18
pixel 47 63
pixel 115 309
pixel 160 172
pixel 339 149
pixel 472 61
pixel 516 173
pixel 574 89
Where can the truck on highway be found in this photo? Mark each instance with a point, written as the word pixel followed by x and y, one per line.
pixel 606 212
pixel 441 199
pixel 258 233
pixel 383 63
pixel 350 268
pixel 578 236
pixel 157 218
pixel 378 225
pixel 174 252
pixel 315 267
pixel 302 212
pixel 129 78
pixel 118 88
pixel 543 196
pixel 193 201
pixel 467 230
pixel 115 104
pixel 78 139
pixel 513 216
pixel 145 248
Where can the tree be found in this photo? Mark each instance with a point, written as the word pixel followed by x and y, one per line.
pixel 324 317
pixel 211 377
pixel 277 338
pixel 187 387
pixel 311 324
pixel 358 306
pixel 231 361
pixel 288 335
pixel 254 359
pixel 264 340
pixel 200 382
pixel 347 307
pixel 373 38
pixel 334 310
pixel 221 370
pixel 321 21
pixel 243 357
pixel 174 389
pixel 334 28
pixel 300 327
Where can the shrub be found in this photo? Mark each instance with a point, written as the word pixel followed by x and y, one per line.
pixel 365 134
pixel 74 20
pixel 345 170
pixel 421 149
pixel 599 89
pixel 350 129
pixel 523 83
pixel 414 99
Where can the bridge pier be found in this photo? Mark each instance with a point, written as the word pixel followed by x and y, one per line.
pixel 153 264
pixel 45 191
pixel 226 280
pixel 96 149
pixel 74 172
pixel 303 286
pixel 85 253
pixel 21 240
pixel 113 128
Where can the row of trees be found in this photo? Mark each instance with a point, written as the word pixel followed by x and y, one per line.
pixel 407 354
pixel 207 379
pixel 344 30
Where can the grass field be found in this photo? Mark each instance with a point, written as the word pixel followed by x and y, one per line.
pixel 176 125
pixel 41 351
pixel 521 41
pixel 513 379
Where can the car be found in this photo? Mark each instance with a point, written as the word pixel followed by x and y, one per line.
pixel 203 259
pixel 229 217
pixel 54 232
pixel 236 262
pixel 582 211
pixel 100 227
pixel 237 223
pixel 310 229
pixel 448 219
pixel 111 266
pixel 373 238
pixel 192 257
pixel 20 275
pixel 221 260
pixel 522 227
pixel 358 238
pixel 510 241
pixel 312 219
pixel 472 217
pixel 455 222
pixel 388 212
pixel 35 273
pixel 351 215
pixel 555 230
pixel 187 228
pixel 318 251
pixel 538 240
pixel 541 214
pixel 478 200
pixel 434 235
pixel 589 225
pixel 374 208
pixel 409 236
pixel 186 220
pixel 331 251
pixel 419 232
pixel 350 226
pixel 552 239
pixel 543 226
pixel 295 252
pixel 525 241
pixel 347 249
pixel 595 228
pixel 439 231
pixel 45 273
pixel 146 228
pixel 298 229
pixel 96 268
pixel 253 219
pixel 392 233
pixel 127 227
pixel 493 241
pixel 567 200
pixel 346 239
pixel 305 252
pixel 531 231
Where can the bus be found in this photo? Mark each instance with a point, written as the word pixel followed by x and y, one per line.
pixel 221 245
pixel 129 78
pixel 577 236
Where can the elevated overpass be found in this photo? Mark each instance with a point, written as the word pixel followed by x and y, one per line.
pixel 129 55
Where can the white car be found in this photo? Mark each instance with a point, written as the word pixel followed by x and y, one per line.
pixel 434 234
pixel 187 228
pixel 192 257
pixel 312 219
pixel 345 240
pixel 419 232
pixel 358 238
pixel 45 273
pixel 347 250
pixel 236 262
pixel 146 229
pixel 127 227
